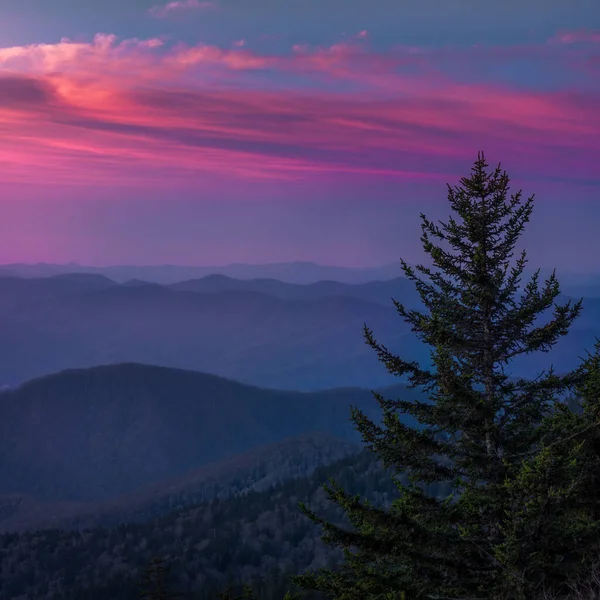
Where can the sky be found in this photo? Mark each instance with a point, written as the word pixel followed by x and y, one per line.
pixel 210 132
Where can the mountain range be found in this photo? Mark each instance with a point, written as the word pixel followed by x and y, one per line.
pixel 296 337
pixel 573 283
pixel 290 272
pixel 263 332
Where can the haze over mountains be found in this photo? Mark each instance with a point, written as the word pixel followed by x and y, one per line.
pixel 83 321
pixel 263 332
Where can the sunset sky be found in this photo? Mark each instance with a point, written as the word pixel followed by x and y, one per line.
pixel 209 132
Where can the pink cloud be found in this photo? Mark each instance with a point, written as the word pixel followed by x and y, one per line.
pixel 141 112
pixel 100 57
pixel 578 36
pixel 177 6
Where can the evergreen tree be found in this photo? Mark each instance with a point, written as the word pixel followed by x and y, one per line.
pixel 486 435
pixel 248 594
pixel 154 581
pixel 561 484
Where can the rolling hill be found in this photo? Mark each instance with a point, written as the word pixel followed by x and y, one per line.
pixel 91 435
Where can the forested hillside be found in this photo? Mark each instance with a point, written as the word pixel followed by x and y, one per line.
pixel 255 537
pixel 255 470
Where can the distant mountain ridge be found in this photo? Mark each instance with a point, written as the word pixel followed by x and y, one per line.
pixel 299 272
pixel 262 332
pixel 373 291
pixel 291 272
pixel 294 340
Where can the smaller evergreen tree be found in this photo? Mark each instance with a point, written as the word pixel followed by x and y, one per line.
pixel 154 581
pixel 558 490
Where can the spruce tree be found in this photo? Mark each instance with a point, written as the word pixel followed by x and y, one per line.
pixel 485 434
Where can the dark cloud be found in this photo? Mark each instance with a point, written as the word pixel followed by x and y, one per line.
pixel 239 113
pixel 27 92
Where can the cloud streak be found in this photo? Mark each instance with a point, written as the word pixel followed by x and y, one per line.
pixel 144 113
pixel 179 6
pixel 579 36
